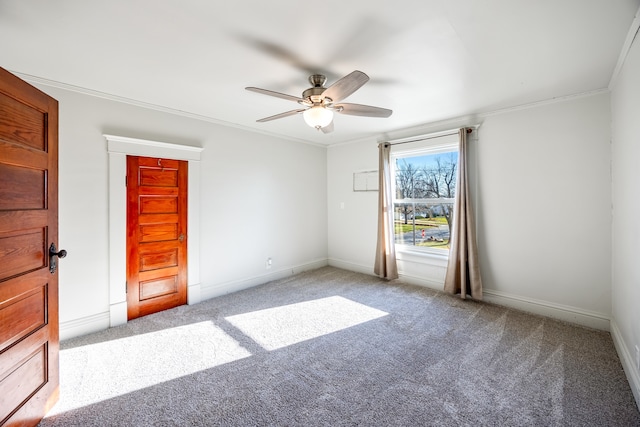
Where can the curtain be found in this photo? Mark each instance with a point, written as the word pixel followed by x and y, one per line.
pixel 385 265
pixel 463 271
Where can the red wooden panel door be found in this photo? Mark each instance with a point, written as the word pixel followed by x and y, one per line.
pixel 156 235
pixel 29 337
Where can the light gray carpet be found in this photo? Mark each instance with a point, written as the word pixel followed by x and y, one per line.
pixel 335 348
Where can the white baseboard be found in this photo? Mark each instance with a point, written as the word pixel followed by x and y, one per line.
pixel 118 313
pixel 567 313
pixel 594 320
pixel 628 363
pixel 212 291
pixel 194 294
pixel 543 308
pixel 368 269
pixel 84 326
pixel 351 266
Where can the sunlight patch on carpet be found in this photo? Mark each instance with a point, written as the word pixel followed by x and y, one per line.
pixel 144 360
pixel 279 327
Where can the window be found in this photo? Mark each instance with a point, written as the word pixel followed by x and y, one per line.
pixel 424 191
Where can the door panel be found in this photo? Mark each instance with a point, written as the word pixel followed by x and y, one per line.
pixel 156 260
pixel 154 204
pixel 30 375
pixel 22 250
pixel 156 234
pixel 22 123
pixel 159 177
pixel 29 337
pixel 22 315
pixel 22 188
pixel 158 286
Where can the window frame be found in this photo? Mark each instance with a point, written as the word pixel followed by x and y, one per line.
pixel 421 146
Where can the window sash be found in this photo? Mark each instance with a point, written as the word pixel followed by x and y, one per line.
pixel 430 201
pixel 433 146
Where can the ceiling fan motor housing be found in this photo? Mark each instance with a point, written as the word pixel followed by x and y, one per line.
pixel 314 94
pixel 317 80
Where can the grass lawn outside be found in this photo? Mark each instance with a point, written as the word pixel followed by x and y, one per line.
pixel 401 227
pixel 423 224
pixel 434 244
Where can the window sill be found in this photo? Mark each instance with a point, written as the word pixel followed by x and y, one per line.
pixel 408 254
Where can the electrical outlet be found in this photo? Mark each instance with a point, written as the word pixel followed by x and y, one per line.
pixel 269 263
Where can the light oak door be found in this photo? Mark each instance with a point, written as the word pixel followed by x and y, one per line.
pixel 29 336
pixel 156 234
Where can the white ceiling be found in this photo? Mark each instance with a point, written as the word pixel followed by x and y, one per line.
pixel 428 60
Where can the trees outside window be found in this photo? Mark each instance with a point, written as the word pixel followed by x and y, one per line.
pixel 425 186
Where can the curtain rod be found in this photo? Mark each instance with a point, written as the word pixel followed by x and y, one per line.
pixel 469 130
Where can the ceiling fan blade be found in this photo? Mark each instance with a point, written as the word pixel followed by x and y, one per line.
pixel 346 86
pixel 280 53
pixel 362 110
pixel 281 115
pixel 276 94
pixel 328 128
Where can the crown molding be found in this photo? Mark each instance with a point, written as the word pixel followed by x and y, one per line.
pixel 632 34
pixel 470 120
pixel 147 105
pixel 550 101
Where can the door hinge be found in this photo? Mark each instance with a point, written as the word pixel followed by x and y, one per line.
pixel 126 181
pixel 126 287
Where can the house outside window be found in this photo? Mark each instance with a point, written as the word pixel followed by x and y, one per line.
pixel 424 192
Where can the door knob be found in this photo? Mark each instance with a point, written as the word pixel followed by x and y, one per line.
pixel 53 253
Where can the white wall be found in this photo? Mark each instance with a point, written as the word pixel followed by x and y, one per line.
pixel 625 107
pixel 266 198
pixel 260 197
pixel 352 215
pixel 543 207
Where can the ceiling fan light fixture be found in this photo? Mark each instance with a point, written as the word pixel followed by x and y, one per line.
pixel 318 116
pixel 321 102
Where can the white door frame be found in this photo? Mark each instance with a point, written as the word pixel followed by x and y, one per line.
pixel 118 148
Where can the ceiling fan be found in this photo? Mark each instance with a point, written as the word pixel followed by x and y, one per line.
pixel 321 102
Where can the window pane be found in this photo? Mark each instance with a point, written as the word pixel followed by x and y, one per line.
pixel 423 225
pixel 432 224
pixel 423 180
pixel 404 224
pixel 426 176
pixel 406 179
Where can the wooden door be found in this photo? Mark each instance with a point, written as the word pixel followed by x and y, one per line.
pixel 156 235
pixel 29 336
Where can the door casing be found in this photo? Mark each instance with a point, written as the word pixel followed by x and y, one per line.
pixel 118 148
